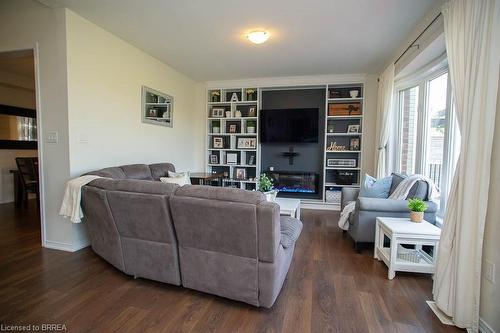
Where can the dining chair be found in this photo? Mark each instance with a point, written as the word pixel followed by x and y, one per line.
pixel 28 171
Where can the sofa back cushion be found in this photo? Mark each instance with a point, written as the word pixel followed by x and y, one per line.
pixel 159 170
pixel 113 172
pixel 216 219
pixel 136 171
pixel 418 190
pixel 130 219
pixel 217 233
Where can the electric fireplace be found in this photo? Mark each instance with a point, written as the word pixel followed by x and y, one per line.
pixel 295 182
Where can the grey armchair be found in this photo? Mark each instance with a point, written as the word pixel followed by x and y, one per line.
pixel 362 220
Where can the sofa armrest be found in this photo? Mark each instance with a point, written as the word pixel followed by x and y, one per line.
pixel 268 230
pixel 389 205
pixel 348 194
pixel 382 205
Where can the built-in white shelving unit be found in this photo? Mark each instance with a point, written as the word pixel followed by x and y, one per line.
pixel 233 117
pixel 232 135
pixel 343 139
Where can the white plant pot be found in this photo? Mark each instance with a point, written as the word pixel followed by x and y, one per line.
pixel 271 195
pixel 416 217
pixel 353 93
pixel 215 129
pixel 250 129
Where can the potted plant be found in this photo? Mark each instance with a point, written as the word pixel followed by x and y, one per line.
pixel 251 94
pixel 266 186
pixel 215 126
pixel 417 208
pixel 251 126
pixel 215 95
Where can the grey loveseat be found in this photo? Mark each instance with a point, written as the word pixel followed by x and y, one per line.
pixel 223 241
pixel 362 220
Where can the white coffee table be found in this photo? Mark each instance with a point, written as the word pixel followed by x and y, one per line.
pixel 289 207
pixel 423 237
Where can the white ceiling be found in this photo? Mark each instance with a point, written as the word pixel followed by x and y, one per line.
pixel 205 40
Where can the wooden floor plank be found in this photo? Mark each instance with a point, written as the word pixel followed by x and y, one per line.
pixel 329 288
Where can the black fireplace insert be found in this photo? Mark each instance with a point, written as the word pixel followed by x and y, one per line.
pixel 295 182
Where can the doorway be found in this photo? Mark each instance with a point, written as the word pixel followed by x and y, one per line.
pixel 20 185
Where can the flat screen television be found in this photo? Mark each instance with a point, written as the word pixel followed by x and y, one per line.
pixel 289 125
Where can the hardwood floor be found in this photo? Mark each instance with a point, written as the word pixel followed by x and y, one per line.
pixel 329 288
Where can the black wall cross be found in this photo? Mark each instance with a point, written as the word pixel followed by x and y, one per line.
pixel 291 154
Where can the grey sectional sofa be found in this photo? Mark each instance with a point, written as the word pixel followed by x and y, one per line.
pixel 362 220
pixel 221 241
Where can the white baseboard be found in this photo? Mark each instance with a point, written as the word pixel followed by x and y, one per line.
pixel 484 327
pixel 64 246
pixel 58 246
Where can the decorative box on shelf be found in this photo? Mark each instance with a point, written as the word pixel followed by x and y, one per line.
pixel 345 109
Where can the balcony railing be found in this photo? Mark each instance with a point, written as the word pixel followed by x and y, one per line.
pixel 435 173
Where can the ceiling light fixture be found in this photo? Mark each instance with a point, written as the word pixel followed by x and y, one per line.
pixel 258 37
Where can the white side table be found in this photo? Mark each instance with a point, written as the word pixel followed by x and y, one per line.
pixel 423 238
pixel 290 207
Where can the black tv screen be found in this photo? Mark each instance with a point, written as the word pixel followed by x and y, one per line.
pixel 289 126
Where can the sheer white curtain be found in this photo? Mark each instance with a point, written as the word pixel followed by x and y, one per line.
pixel 472 35
pixel 384 109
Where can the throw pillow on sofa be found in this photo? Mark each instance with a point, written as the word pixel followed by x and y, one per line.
pixel 179 178
pixel 375 188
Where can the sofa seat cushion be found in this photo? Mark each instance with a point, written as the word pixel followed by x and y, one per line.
pixel 290 230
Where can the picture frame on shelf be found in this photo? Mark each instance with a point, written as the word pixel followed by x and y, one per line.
pixel 341 162
pixel 214 159
pixel 251 160
pixel 252 111
pixel 152 113
pixel 218 142
pixel 240 173
pixel 232 158
pixel 353 129
pixel 354 144
pixel 232 128
pixel 218 112
pixel 247 143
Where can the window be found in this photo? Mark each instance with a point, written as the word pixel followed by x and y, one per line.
pixel 427 140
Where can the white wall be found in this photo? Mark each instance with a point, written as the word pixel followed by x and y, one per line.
pixel 18 91
pixel 27 24
pixel 105 75
pixel 490 293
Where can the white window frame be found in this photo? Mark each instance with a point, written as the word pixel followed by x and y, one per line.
pixel 421 79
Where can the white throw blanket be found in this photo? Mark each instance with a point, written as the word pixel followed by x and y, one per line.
pixel 400 193
pixel 70 207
